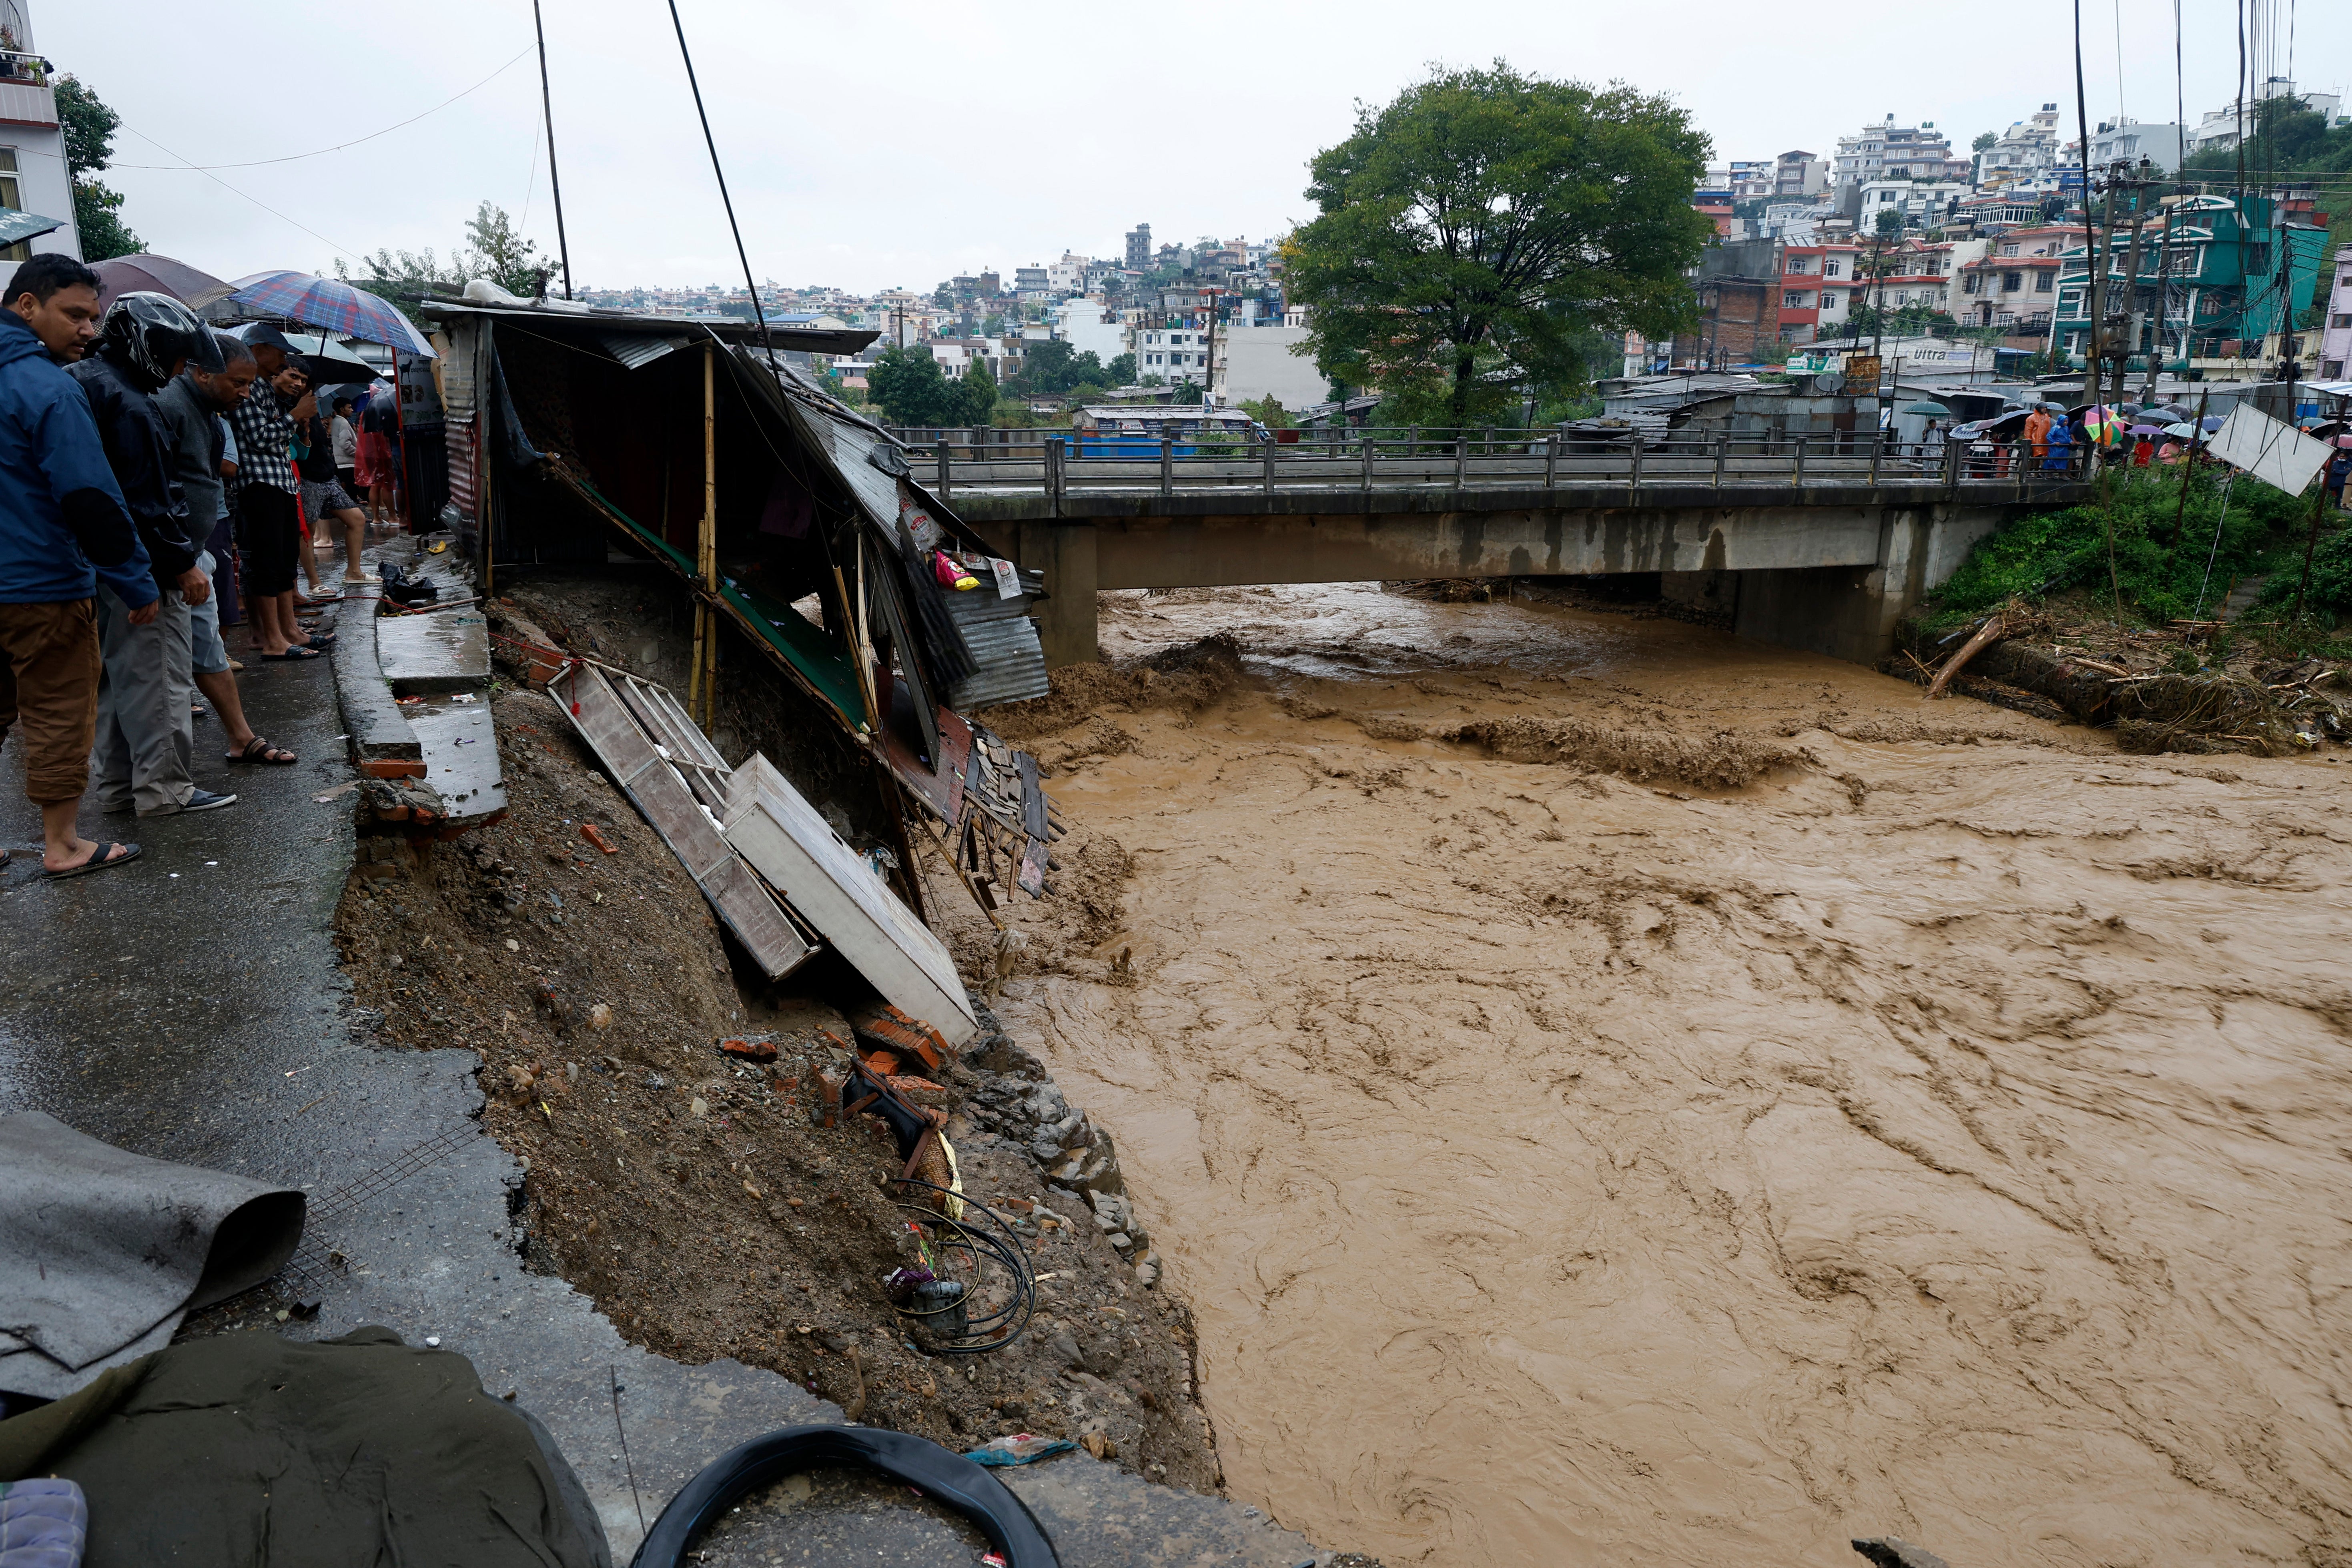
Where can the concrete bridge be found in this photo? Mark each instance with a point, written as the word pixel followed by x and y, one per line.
pixel 1822 545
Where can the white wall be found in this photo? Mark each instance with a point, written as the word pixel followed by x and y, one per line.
pixel 1084 327
pixel 42 185
pixel 1257 362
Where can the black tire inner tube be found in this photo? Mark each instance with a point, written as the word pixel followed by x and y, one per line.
pixel 954 1479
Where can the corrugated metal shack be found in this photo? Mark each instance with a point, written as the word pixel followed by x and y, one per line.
pixel 790 519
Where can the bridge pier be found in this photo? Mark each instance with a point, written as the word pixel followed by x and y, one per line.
pixel 1067 622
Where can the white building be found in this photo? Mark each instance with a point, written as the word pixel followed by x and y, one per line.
pixel 2023 155
pixel 1259 361
pixel 2128 141
pixel 2335 336
pixel 2218 128
pixel 32 177
pixel 1923 202
pixel 1174 354
pixel 1090 327
pixel 1887 150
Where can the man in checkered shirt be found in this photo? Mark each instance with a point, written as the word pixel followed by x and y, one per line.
pixel 271 532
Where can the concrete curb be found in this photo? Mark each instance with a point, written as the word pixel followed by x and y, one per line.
pixel 383 745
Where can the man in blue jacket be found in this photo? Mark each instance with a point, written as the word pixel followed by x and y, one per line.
pixel 63 526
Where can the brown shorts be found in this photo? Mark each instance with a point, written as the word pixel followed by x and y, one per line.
pixel 48 685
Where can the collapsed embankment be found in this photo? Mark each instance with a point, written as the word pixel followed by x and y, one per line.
pixel 688 1191
pixel 1935 1133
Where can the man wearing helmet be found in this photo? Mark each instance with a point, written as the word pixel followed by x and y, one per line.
pixel 143 342
pixel 63 530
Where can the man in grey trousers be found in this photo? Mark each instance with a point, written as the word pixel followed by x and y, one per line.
pixel 191 406
pixel 141 760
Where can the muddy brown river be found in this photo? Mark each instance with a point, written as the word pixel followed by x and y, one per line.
pixel 1949 1135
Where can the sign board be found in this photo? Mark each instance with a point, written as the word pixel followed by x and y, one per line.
pixel 1862 375
pixel 2270 449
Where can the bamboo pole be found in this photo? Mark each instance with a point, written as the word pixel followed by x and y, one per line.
pixel 702 684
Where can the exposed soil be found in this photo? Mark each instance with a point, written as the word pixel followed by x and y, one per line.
pixel 688 1191
pixel 1939 1135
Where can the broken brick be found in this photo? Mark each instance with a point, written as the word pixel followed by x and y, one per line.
pixel 887 1026
pixel 750 1048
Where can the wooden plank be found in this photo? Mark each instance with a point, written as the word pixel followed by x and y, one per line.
pixel 940 788
pixel 660 793
pixel 1030 878
pixel 1032 795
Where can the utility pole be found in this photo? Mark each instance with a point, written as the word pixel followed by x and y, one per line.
pixel 2163 301
pixel 2095 299
pixel 2138 188
pixel 555 182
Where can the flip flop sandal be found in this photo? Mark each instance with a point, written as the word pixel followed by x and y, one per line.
pixel 100 859
pixel 259 752
pixel 196 710
pixel 292 655
pixel 323 640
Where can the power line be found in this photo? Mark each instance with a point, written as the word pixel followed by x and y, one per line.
pixel 297 157
pixel 257 201
pixel 758 309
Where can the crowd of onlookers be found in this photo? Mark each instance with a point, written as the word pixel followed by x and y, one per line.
pixel 160 480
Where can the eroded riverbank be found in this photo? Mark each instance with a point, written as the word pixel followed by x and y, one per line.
pixel 1945 1135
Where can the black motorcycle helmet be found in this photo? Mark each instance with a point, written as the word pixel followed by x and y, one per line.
pixel 155 333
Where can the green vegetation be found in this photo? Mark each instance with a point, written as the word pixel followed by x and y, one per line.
pixel 1269 411
pixel 88 126
pixel 1471 230
pixel 2052 552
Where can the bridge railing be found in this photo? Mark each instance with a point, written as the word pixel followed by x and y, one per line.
pixel 1058 463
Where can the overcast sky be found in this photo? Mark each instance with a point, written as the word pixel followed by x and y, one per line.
pixel 872 145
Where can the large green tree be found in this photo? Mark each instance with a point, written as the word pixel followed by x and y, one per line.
pixel 88 126
pixel 1471 230
pixel 907 385
pixel 977 394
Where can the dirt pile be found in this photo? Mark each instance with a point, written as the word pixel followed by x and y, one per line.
pixel 686 1192
pixel 1944 1142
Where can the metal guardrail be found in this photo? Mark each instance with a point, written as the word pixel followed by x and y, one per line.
pixel 1062 464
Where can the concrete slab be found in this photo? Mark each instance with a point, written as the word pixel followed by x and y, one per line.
pixel 460 748
pixel 446 650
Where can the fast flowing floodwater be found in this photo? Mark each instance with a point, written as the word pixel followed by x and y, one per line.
pixel 1950 1138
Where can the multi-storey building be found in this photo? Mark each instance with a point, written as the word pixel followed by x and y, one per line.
pixel 2233 273
pixel 1919 273
pixel 1887 151
pixel 2014 284
pixel 1800 173
pixel 2219 130
pixel 2023 156
pixel 2335 334
pixel 1139 247
pixel 1817 285
pixel 2123 140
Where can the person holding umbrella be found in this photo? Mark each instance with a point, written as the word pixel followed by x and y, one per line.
pixel 143 342
pixel 266 490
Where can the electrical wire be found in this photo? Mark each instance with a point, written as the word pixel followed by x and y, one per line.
pixel 728 202
pixel 997 1328
pixel 297 157
pixel 223 185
